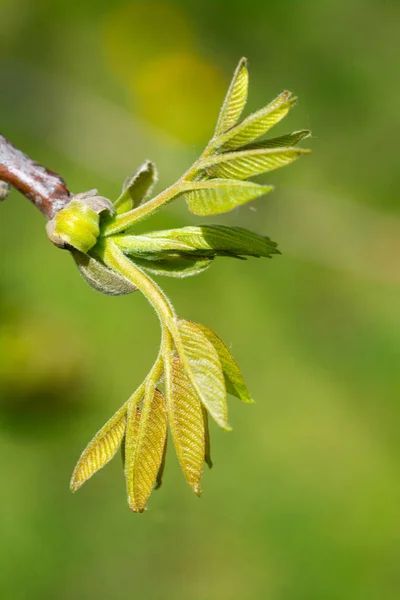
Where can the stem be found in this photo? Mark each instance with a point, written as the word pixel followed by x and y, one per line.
pixel 47 190
pixel 122 222
pixel 155 373
pixel 114 258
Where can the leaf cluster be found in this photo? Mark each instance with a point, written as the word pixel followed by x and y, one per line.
pixel 194 370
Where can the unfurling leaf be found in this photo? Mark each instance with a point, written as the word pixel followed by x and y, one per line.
pixel 235 99
pixel 175 266
pixel 101 449
pixel 283 141
pixel 147 432
pixel 258 123
pixel 235 241
pixel 203 241
pixel 247 163
pixel 207 445
pixel 217 196
pixel 234 381
pixel 100 278
pixel 203 368
pixel 186 421
pixel 136 188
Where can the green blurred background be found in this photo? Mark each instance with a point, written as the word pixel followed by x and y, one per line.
pixel 303 501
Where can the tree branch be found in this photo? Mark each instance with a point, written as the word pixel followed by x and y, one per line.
pixel 47 190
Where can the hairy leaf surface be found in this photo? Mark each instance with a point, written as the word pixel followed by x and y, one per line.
pixel 204 240
pixel 100 450
pixel 217 196
pixel 203 368
pixel 136 188
pixel 247 163
pixel 147 430
pixel 235 99
pixel 284 141
pixel 187 424
pixel 258 123
pixel 101 278
pixel 235 383
pixel 175 266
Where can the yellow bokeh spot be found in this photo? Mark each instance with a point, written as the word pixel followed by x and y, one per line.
pixel 136 32
pixel 179 93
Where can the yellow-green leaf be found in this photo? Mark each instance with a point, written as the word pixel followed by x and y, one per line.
pixel 186 421
pixel 247 163
pixel 100 450
pixel 235 99
pixel 218 196
pixel 144 449
pixel 258 123
pixel 136 188
pixel 235 384
pixel 202 241
pixel 203 368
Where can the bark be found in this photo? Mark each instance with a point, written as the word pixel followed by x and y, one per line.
pixel 45 189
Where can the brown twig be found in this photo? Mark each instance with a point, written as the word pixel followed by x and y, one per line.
pixel 47 190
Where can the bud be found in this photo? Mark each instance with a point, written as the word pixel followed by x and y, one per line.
pixel 78 224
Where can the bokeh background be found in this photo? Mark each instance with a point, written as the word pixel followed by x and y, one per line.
pixel 303 500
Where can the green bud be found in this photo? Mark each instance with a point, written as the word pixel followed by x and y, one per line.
pixel 78 224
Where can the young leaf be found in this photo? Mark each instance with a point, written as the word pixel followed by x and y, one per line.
pixel 207 446
pixel 204 240
pixel 203 368
pixel 187 424
pixel 153 243
pixel 218 196
pixel 247 163
pixel 100 450
pixel 136 188
pixel 175 266
pixel 234 381
pixel 235 99
pixel 258 123
pixel 100 278
pixel 148 430
pixel 232 240
pixel 284 141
